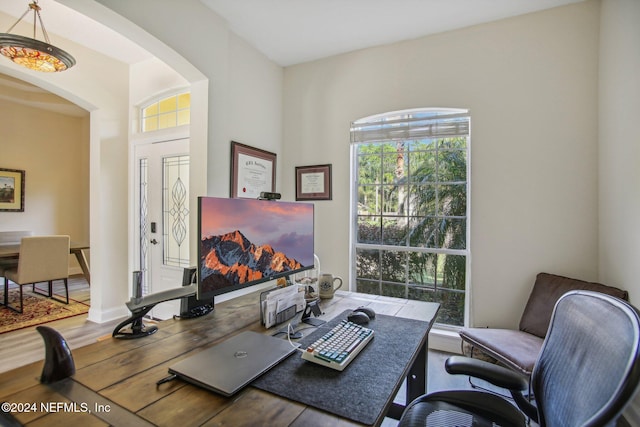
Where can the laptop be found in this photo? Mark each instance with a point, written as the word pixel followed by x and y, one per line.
pixel 230 365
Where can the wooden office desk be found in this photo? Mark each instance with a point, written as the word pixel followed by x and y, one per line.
pixel 116 379
pixel 77 249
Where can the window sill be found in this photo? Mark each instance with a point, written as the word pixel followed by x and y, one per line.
pixel 446 340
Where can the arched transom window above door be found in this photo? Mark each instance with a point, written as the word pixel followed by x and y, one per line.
pixel 168 112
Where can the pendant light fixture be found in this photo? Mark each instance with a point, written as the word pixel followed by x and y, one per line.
pixel 31 53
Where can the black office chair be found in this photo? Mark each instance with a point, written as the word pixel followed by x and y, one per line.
pixel 586 373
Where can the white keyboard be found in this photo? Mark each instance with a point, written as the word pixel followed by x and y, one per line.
pixel 338 347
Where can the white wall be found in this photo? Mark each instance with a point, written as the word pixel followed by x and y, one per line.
pixel 619 152
pixel 150 79
pixel 255 106
pixel 530 83
pixel 619 145
pixel 242 82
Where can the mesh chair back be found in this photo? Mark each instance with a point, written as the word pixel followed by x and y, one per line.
pixel 43 258
pixel 588 368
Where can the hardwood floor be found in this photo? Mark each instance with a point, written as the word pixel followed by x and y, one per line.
pixel 25 346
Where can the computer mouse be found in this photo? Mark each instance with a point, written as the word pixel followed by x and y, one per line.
pixel 358 317
pixel 369 312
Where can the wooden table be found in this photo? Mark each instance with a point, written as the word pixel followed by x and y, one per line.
pixel 9 251
pixel 115 380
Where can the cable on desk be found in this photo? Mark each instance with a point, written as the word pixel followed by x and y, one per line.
pixel 289 333
pixel 166 380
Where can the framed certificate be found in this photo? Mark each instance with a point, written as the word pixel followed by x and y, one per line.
pixel 313 182
pixel 252 171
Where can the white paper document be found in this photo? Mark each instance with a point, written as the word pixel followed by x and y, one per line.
pixel 279 300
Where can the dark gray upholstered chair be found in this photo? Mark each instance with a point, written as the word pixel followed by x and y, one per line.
pixel 518 349
pixel 586 373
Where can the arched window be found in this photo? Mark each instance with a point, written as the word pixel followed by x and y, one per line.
pixel 168 112
pixel 410 222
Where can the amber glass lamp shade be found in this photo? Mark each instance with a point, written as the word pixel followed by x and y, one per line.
pixel 34 54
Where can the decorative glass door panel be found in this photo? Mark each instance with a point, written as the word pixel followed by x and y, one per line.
pixel 143 220
pixel 175 213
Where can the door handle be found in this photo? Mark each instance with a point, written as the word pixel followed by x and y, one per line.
pixel 154 242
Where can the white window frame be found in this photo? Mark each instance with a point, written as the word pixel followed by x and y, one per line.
pixel 354 245
pixel 158 100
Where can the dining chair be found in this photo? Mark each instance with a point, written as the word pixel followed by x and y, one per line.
pixel 11 238
pixel 42 259
pixel 6 264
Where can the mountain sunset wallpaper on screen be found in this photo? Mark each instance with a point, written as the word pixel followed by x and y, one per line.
pixel 245 240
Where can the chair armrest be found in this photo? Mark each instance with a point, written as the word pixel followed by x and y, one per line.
pixel 495 374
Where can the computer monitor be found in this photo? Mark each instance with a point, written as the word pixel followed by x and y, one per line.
pixel 244 242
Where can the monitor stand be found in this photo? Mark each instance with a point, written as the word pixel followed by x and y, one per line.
pixel 192 307
pixel 139 307
pixel 138 329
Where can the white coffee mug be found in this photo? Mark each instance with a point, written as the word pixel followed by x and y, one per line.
pixel 326 283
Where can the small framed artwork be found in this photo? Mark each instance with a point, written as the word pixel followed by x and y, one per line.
pixel 313 182
pixel 252 171
pixel 11 190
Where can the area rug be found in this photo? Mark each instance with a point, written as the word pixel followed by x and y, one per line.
pixel 37 310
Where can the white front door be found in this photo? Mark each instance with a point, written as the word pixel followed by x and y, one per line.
pixel 162 206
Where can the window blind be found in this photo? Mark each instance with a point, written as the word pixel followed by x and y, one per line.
pixel 410 124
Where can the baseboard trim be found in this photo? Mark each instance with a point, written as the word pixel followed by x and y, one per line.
pixel 102 316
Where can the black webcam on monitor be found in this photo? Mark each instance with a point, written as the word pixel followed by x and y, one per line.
pixel 265 195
